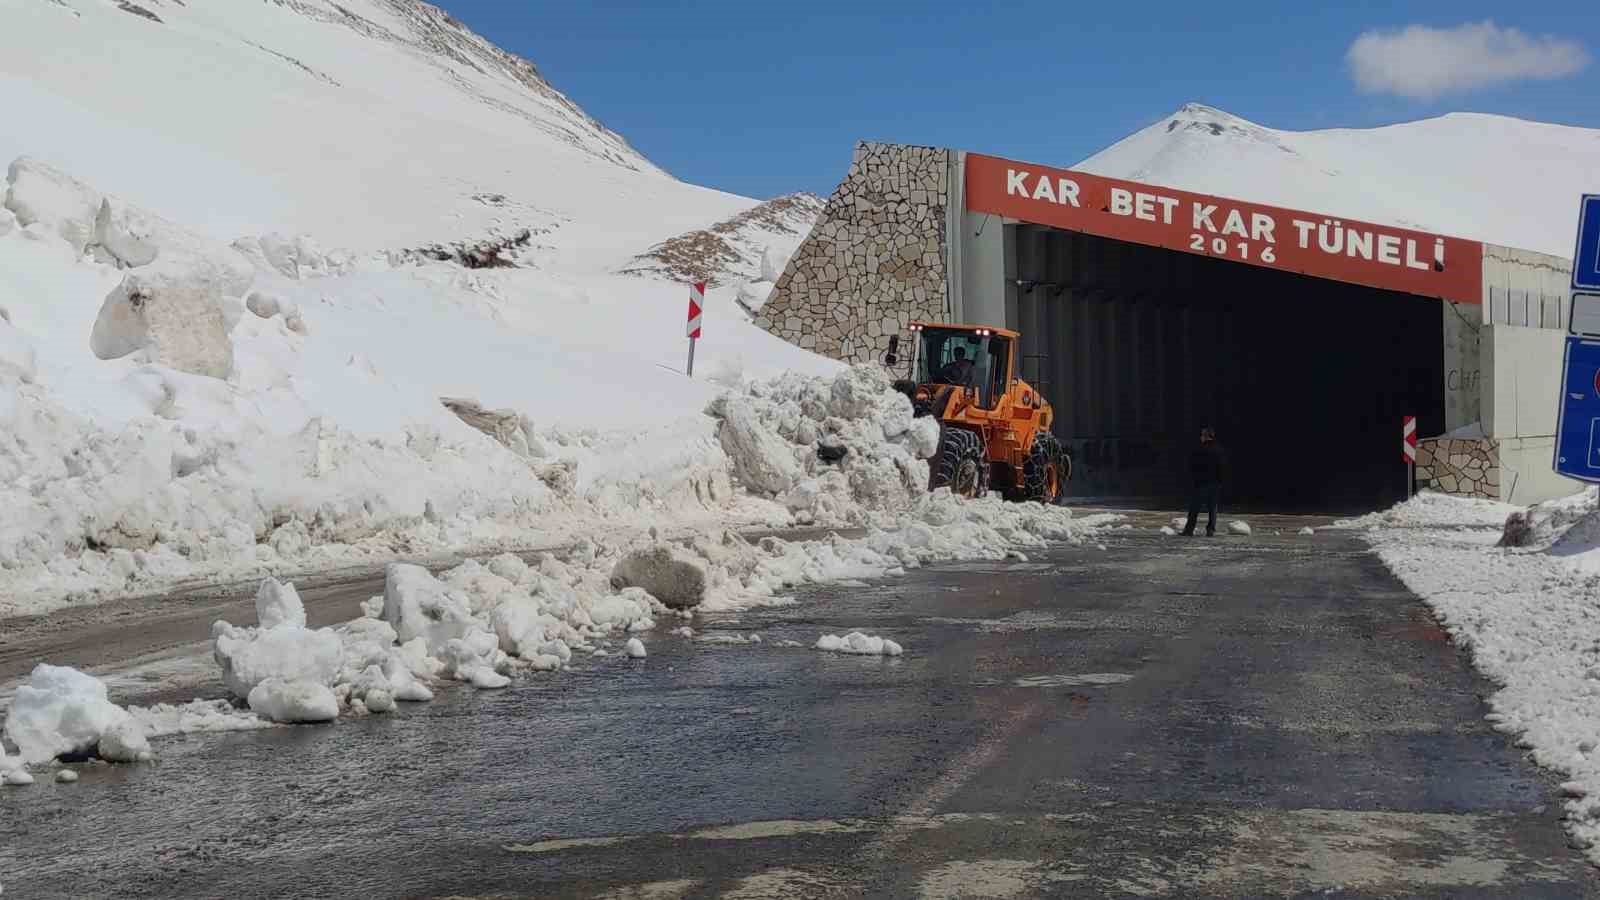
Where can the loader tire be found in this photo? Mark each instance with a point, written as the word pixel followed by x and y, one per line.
pixel 1046 470
pixel 960 464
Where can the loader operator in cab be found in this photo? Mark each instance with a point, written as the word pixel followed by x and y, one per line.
pixel 957 371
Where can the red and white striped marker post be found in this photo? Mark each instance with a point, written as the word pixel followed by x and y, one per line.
pixel 1408 447
pixel 697 303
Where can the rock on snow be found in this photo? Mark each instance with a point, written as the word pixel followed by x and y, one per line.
pixel 279 604
pixel 173 308
pixel 672 578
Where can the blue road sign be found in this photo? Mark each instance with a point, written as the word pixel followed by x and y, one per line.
pixel 1578 429
pixel 1586 259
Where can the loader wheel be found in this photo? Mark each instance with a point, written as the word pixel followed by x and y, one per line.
pixel 1046 470
pixel 960 464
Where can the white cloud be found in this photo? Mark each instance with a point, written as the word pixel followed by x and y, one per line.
pixel 1424 63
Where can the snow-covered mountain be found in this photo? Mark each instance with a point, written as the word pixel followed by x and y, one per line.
pixel 1491 178
pixel 737 248
pixel 369 124
pixel 258 245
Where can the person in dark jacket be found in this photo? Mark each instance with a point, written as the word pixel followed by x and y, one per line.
pixel 1208 469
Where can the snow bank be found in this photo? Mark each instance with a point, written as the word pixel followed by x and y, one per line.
pixel 858 644
pixel 41 194
pixel 1431 510
pixel 62 711
pixel 1527 617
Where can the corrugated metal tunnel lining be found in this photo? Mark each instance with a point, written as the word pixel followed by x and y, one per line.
pixel 1305 379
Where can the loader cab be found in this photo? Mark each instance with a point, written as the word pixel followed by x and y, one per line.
pixel 976 358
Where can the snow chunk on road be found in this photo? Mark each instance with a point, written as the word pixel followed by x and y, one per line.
pixel 1169 531
pixel 294 701
pixel 279 604
pixel 419 606
pixel 1239 528
pixel 858 644
pixel 66 776
pixel 636 648
pixel 61 710
pixel 1307 531
pixel 250 656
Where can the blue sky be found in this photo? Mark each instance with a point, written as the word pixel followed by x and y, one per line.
pixel 762 99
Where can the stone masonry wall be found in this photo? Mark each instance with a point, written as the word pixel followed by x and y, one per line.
pixel 874 261
pixel 1466 468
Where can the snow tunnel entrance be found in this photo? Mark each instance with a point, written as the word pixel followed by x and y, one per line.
pixel 1305 379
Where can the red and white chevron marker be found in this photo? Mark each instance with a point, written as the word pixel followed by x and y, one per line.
pixel 697 303
pixel 1408 439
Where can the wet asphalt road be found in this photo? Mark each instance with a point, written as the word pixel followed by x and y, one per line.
pixel 1265 716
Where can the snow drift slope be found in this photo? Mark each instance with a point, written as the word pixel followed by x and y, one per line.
pixel 1484 177
pixel 371 124
pixel 325 143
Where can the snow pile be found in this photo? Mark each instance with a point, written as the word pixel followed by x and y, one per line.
pixel 289 673
pixel 781 435
pixel 1527 615
pixel 858 644
pixel 195 717
pixel 62 711
pixel 480 623
pixel 1431 510
pixel 1567 526
pixel 1307 531
pixel 1239 527
pixel 473 624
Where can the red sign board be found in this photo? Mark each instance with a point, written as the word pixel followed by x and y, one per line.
pixel 1408 438
pixel 1379 256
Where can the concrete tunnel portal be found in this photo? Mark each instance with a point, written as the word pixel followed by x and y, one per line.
pixel 1147 312
pixel 1305 379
